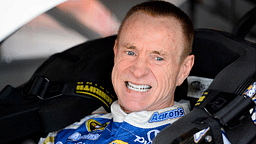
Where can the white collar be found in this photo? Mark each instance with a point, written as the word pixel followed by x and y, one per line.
pixel 149 119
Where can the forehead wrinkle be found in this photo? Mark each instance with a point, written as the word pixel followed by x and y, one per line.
pixel 169 26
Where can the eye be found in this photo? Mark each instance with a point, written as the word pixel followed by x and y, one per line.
pixel 130 53
pixel 159 59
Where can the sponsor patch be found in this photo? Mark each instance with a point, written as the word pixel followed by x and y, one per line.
pixel 175 113
pixel 118 142
pixel 253 112
pixel 251 90
pixel 201 99
pixel 93 125
pixel 151 135
pixel 49 139
pixel 96 91
pixel 77 136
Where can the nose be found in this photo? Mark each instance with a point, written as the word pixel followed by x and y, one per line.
pixel 139 68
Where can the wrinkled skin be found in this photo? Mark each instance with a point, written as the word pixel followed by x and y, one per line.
pixel 147 65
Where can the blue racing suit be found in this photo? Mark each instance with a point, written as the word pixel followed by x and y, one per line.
pixel 118 127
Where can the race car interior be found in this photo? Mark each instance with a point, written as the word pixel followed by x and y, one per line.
pixel 221 90
pixel 44 104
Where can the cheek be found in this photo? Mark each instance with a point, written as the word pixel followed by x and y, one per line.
pixel 161 76
pixel 115 81
pixel 116 73
pixel 166 78
pixel 119 68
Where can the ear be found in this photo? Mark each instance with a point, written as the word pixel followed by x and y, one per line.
pixel 185 69
pixel 115 49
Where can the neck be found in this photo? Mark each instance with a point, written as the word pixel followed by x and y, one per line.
pixel 125 110
pixel 128 111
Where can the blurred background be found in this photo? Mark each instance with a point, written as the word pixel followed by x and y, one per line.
pixel 77 21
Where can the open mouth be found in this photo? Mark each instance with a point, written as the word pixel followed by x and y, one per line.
pixel 139 88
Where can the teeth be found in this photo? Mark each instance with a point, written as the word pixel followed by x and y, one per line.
pixel 139 88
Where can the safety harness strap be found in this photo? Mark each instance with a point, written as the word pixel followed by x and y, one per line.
pixel 44 89
pixel 247 128
pixel 216 130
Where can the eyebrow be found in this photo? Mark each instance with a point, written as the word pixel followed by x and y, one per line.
pixel 129 46
pixel 161 53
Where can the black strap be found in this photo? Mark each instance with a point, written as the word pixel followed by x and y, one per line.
pixel 216 130
pixel 11 96
pixel 247 128
pixel 44 89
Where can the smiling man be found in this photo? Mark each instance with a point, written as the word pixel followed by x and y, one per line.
pixel 149 61
pixel 152 57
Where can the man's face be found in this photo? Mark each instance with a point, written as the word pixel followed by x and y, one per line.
pixel 147 68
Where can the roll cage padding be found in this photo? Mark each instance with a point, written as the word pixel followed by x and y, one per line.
pixel 245 24
pixel 224 57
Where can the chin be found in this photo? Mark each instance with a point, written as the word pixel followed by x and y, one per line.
pixel 132 106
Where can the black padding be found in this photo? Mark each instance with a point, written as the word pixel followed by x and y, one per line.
pixel 19 121
pixel 92 62
pixel 245 24
pixel 64 111
pixel 85 61
pixel 224 57
pixel 181 91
